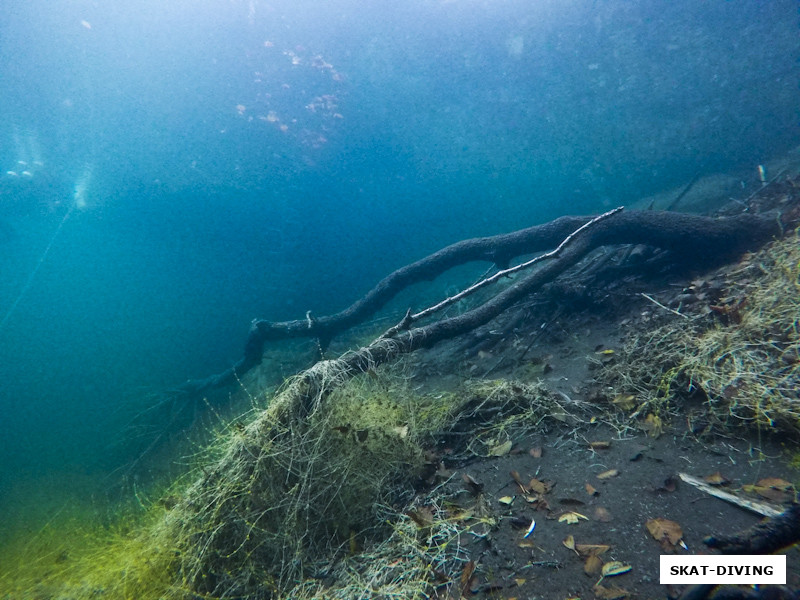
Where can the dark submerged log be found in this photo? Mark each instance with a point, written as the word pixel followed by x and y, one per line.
pixel 689 238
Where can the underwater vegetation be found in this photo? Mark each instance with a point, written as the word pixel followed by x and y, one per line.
pixel 739 356
pixel 316 495
pixel 271 516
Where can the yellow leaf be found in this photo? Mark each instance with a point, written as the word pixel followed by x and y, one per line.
pixel 601 445
pixel 571 518
pixel 610 569
pixel 652 425
pixel 507 500
pixel 501 449
pixel 608 474
pixel 625 402
pixel 716 479
pixel 569 542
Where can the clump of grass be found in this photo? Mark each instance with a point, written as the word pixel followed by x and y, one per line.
pixel 76 559
pixel 743 359
pixel 307 505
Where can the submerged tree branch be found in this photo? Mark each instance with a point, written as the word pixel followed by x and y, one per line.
pixel 690 238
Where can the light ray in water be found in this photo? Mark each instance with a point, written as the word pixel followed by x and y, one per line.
pixel 78 201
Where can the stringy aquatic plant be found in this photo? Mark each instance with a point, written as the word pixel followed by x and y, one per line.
pixel 311 508
pixel 744 359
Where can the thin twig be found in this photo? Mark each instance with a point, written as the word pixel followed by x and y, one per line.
pixel 657 303
pixel 411 318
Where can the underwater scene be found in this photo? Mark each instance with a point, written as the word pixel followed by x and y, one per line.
pixel 405 299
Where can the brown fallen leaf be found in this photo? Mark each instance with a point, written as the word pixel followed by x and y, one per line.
pixel 518 480
pixel 665 530
pixel 608 474
pixel 775 483
pixel 465 581
pixel 535 452
pixel 590 490
pixel 772 488
pixel 540 487
pixel 592 564
pixel 592 549
pixel 569 542
pixel 571 502
pixel 601 514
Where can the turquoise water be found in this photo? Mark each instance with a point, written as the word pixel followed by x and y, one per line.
pixel 170 171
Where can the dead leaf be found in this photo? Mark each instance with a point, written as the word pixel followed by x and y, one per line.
pixel 569 542
pixel 665 530
pixel 615 567
pixel 716 478
pixel 773 488
pixel 466 576
pixel 592 549
pixel 653 425
pixel 776 484
pixel 599 445
pixel 535 452
pixel 625 402
pixel 501 449
pixel 571 502
pixel 608 474
pixel 590 490
pixel 540 487
pixel 518 480
pixel 571 518
pixel 601 514
pixel 592 564
pixel 507 500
